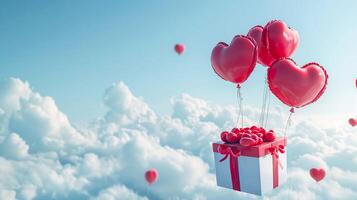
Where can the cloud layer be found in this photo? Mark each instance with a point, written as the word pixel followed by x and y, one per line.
pixel 43 156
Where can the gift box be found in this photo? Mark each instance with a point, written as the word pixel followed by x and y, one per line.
pixel 252 169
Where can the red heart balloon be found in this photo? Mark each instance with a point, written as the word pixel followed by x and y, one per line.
pixel 264 58
pixel 235 62
pixel 295 86
pixel 151 176
pixel 280 40
pixel 352 121
pixel 179 48
pixel 317 174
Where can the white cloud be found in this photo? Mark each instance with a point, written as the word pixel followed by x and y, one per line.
pixel 28 192
pixel 13 147
pixel 12 92
pixel 124 107
pixel 8 194
pixel 42 156
pixel 117 192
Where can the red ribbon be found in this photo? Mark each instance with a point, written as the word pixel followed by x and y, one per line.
pixel 233 163
pixel 274 151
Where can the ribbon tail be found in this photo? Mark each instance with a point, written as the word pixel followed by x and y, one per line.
pixel 225 157
pixel 233 162
pixel 275 171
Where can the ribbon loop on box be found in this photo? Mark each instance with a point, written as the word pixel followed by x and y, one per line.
pixel 274 151
pixel 227 151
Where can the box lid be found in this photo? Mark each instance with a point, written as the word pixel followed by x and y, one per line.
pixel 253 151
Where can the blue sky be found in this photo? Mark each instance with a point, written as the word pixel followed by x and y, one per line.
pixel 72 51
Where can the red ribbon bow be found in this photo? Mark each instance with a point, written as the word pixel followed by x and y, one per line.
pixel 274 151
pixel 226 150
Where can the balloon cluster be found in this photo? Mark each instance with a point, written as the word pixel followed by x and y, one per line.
pixel 248 136
pixel 271 46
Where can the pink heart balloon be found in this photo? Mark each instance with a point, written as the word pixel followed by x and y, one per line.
pixel 151 176
pixel 280 40
pixel 317 174
pixel 235 62
pixel 264 58
pixel 179 48
pixel 295 86
pixel 352 121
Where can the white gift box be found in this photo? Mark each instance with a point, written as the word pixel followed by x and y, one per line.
pixel 256 170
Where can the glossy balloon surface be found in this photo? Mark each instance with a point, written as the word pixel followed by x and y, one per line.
pixel 264 58
pixel 280 40
pixel 235 62
pixel 295 86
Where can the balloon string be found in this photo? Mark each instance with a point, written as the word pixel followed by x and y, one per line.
pixel 267 109
pixel 262 109
pixel 262 113
pixel 288 122
pixel 239 107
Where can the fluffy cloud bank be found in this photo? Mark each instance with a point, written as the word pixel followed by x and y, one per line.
pixel 43 156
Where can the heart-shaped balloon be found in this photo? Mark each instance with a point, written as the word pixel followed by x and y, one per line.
pixel 352 121
pixel 179 48
pixel 317 174
pixel 151 176
pixel 280 40
pixel 295 86
pixel 235 62
pixel 264 58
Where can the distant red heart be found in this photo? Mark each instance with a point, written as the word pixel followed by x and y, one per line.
pixel 235 62
pixel 295 86
pixel 264 58
pixel 352 121
pixel 179 48
pixel 280 40
pixel 317 174
pixel 151 176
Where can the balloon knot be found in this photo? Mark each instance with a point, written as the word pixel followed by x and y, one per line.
pixel 292 110
pixel 238 85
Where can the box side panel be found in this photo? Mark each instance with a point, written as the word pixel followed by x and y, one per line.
pixel 283 173
pixel 266 173
pixel 223 172
pixel 249 174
